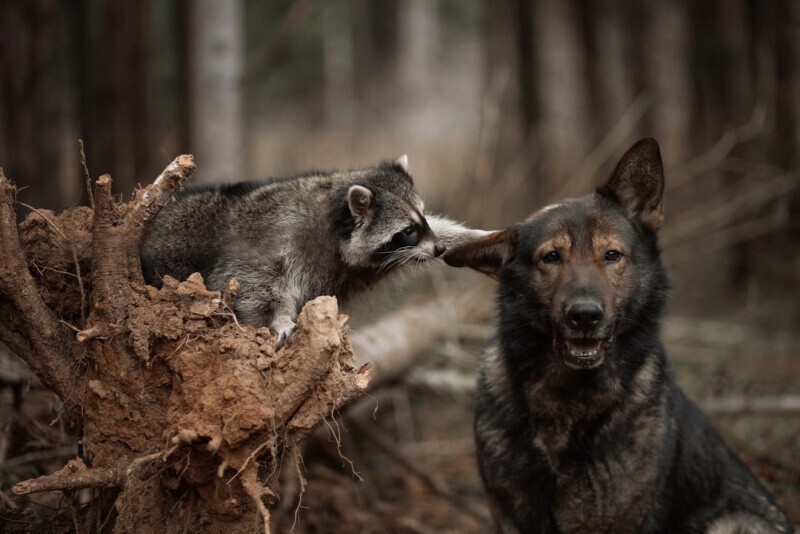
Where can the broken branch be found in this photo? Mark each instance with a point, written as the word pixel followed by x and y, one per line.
pixel 151 199
pixel 73 476
pixel 147 203
pixel 783 405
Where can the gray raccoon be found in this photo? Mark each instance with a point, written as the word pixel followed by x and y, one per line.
pixel 289 240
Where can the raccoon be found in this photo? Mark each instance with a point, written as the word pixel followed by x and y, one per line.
pixel 289 240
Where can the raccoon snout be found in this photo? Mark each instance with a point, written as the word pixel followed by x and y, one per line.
pixel 438 249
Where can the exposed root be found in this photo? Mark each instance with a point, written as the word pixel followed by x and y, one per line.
pixel 337 437
pixel 299 467
pixel 32 330
pixel 86 174
pixel 257 492
pixel 250 458
pixel 90 333
pixel 74 475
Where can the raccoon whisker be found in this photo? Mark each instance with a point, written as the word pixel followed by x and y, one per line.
pixel 417 257
pixel 392 257
pixel 402 256
pixel 385 265
pixel 408 260
pixel 396 259
pixel 399 249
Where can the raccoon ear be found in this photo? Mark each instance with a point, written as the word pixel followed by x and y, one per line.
pixel 487 255
pixel 638 183
pixel 402 162
pixel 359 199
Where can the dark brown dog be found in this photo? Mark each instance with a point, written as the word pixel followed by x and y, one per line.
pixel 580 426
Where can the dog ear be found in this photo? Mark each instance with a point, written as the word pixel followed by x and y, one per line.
pixel 487 255
pixel 638 183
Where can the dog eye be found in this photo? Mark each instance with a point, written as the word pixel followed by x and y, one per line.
pixel 613 256
pixel 552 257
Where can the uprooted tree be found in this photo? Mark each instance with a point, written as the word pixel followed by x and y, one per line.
pixel 185 415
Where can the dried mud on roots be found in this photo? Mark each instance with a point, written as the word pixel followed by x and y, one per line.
pixel 185 413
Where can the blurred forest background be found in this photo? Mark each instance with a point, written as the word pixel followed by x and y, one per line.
pixel 502 106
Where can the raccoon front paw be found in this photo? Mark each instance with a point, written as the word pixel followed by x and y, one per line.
pixel 284 327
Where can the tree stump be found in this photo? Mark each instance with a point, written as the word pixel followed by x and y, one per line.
pixel 185 415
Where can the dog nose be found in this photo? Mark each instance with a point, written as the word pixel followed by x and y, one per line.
pixel 438 249
pixel 584 314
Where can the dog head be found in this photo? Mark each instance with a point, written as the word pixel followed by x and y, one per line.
pixel 582 271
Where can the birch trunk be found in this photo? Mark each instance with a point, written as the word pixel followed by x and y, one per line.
pixel 215 113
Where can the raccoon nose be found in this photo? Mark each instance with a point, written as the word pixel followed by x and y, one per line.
pixel 584 314
pixel 438 249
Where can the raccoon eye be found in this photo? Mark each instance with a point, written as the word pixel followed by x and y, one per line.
pixel 407 237
pixel 613 256
pixel 552 257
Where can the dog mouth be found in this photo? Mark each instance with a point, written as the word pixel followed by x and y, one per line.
pixel 586 353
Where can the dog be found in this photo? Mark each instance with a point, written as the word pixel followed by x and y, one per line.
pixel 580 425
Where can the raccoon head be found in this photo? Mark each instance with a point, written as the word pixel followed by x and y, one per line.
pixel 379 219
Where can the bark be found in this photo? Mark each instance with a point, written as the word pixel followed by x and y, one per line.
pixel 185 414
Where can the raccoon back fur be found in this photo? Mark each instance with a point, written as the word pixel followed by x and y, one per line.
pixel 289 240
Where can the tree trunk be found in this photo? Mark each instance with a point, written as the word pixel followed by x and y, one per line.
pixel 416 63
pixel 216 63
pixel 614 60
pixel 669 60
pixel 339 74
pixel 35 101
pixel 523 30
pixel 562 91
pixel 114 75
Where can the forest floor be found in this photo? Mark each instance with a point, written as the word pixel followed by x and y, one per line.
pixel 426 480
pixel 413 453
pixel 431 427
